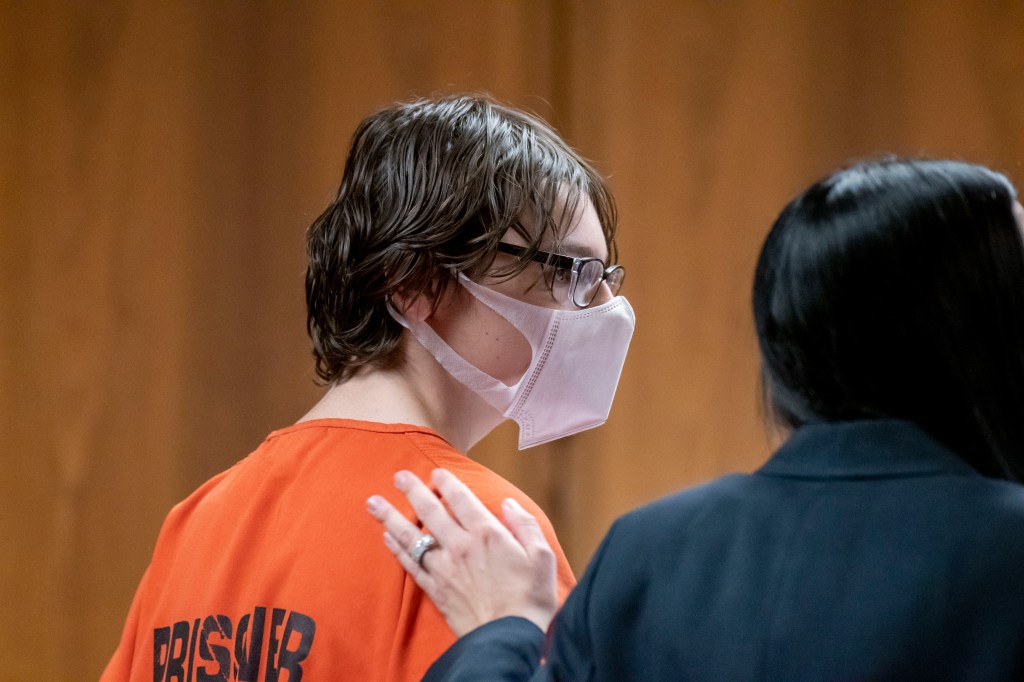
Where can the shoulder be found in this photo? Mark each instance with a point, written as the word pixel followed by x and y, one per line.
pixel 731 491
pixel 492 489
pixel 989 507
pixel 973 519
pixel 683 524
pixel 211 492
pixel 668 522
pixel 486 484
pixel 999 496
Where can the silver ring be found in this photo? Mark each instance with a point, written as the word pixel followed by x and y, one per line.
pixel 424 544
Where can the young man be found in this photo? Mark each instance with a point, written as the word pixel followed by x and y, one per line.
pixel 458 279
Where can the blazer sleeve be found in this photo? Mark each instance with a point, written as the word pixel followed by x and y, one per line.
pixel 506 649
pixel 516 650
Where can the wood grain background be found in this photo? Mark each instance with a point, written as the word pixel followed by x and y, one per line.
pixel 159 163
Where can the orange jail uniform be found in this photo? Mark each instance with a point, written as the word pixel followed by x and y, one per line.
pixel 273 571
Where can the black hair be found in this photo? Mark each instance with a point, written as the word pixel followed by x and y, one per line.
pixel 895 289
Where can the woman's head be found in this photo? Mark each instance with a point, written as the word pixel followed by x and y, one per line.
pixel 896 289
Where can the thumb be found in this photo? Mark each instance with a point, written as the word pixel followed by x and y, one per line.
pixel 524 526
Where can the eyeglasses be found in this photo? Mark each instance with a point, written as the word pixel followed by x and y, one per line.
pixel 583 275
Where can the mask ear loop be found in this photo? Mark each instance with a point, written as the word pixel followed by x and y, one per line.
pixel 496 393
pixel 424 302
pixel 395 314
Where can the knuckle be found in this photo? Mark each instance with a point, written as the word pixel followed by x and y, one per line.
pixel 408 537
pixel 392 519
pixel 531 521
pixel 544 554
pixel 543 550
pixel 489 534
pixel 456 497
pixel 419 504
pixel 459 549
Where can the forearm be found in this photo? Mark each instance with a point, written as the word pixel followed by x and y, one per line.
pixel 508 649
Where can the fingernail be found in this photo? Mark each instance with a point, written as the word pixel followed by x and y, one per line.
pixel 374 504
pixel 401 479
pixel 512 505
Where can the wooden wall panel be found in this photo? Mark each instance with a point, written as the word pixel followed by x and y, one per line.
pixel 709 117
pixel 159 163
pixel 97 243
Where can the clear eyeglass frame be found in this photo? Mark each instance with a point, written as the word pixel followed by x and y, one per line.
pixel 586 274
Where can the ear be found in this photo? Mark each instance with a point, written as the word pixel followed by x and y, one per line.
pixel 413 306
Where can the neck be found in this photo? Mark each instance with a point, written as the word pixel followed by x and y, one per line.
pixel 420 392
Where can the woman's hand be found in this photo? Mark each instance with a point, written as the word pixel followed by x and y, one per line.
pixel 479 570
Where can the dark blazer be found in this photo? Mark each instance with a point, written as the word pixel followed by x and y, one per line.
pixel 860 551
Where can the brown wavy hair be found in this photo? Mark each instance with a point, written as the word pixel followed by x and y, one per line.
pixel 429 189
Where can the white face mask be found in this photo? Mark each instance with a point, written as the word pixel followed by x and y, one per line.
pixel 570 383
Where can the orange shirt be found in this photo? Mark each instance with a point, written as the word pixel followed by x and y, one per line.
pixel 273 570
